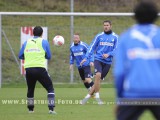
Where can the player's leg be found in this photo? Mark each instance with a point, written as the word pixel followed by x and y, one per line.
pixel 82 75
pixel 96 87
pixel 87 74
pixel 97 81
pixel 105 70
pixel 87 71
pixel 101 71
pixel 31 82
pixel 129 112
pixel 98 72
pixel 46 82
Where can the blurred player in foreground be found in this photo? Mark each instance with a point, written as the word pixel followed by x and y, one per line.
pixel 137 66
pixel 35 51
pixel 78 50
pixel 103 46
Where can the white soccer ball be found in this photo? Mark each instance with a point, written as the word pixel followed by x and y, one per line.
pixel 58 40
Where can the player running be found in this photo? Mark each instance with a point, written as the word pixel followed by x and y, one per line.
pixel 103 45
pixel 78 50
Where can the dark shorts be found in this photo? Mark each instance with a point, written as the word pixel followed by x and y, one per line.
pixel 85 72
pixel 38 74
pixel 101 67
pixel 134 112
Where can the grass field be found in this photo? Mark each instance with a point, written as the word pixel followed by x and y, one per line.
pixel 13 107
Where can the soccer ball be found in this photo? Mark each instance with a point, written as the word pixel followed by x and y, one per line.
pixel 58 40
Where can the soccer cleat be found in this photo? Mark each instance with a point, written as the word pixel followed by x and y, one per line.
pixel 30 111
pixel 99 101
pixel 84 101
pixel 52 112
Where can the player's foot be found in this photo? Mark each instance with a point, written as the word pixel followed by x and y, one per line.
pixel 84 101
pixel 52 112
pixel 99 101
pixel 30 111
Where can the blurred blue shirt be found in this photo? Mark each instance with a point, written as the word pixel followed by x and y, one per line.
pixel 137 62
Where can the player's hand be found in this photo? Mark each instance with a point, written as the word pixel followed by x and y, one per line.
pixel 91 64
pixel 105 56
pixel 84 60
pixel 71 67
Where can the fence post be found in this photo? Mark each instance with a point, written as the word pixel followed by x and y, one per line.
pixel 72 32
pixel 0 50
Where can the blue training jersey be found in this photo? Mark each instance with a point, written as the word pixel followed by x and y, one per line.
pixel 78 52
pixel 137 62
pixel 45 46
pixel 103 44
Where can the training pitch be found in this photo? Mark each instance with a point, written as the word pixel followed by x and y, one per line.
pixel 13 105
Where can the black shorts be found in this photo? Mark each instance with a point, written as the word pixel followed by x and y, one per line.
pixel 134 112
pixel 85 72
pixel 101 67
pixel 40 74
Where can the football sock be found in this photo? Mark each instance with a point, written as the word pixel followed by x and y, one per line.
pixel 89 89
pixel 51 102
pixel 87 85
pixel 88 96
pixel 30 104
pixel 91 83
pixel 97 95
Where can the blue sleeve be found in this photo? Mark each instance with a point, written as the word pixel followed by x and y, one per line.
pixel 71 57
pixel 119 69
pixel 91 56
pixel 112 53
pixel 46 47
pixel 86 48
pixel 92 47
pixel 21 53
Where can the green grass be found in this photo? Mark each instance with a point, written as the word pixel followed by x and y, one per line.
pixel 66 105
pixel 57 85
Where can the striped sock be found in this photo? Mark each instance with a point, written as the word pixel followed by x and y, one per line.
pixel 51 102
pixel 30 104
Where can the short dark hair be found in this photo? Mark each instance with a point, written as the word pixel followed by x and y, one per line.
pixel 37 31
pixel 145 12
pixel 76 33
pixel 107 21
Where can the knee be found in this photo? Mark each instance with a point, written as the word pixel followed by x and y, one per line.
pixel 87 80
pixel 98 75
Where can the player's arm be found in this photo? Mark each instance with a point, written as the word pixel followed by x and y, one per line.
pixel 21 53
pixel 91 49
pixel 71 59
pixel 91 58
pixel 46 47
pixel 112 53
